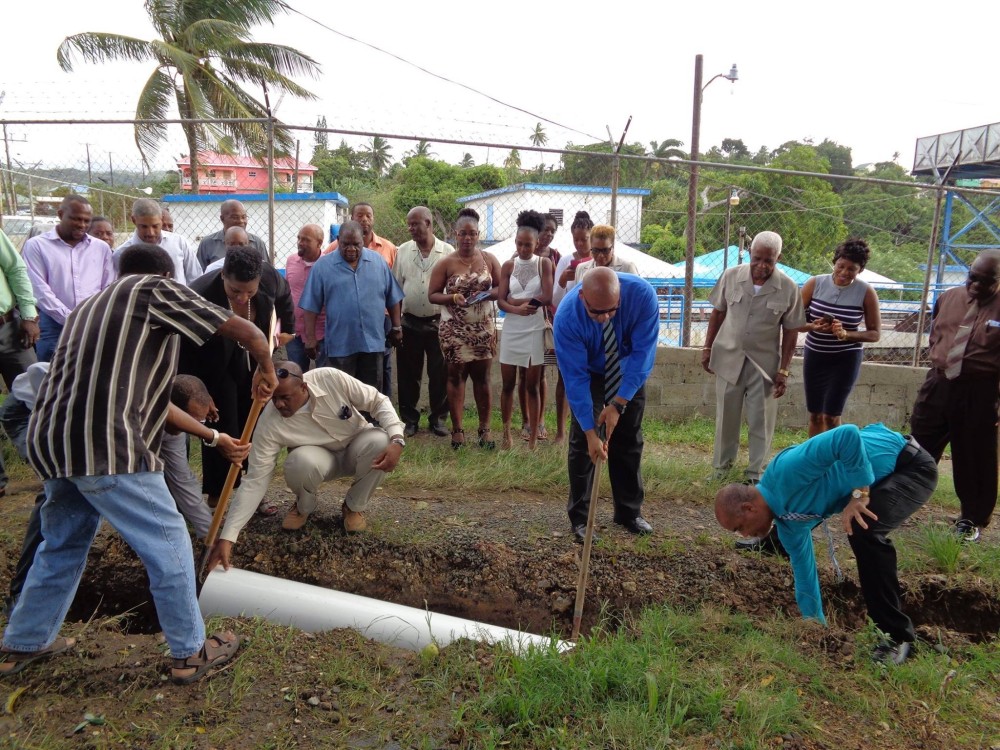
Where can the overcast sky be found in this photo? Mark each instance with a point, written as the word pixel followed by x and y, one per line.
pixel 870 75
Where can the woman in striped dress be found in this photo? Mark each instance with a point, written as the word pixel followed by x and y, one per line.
pixel 836 304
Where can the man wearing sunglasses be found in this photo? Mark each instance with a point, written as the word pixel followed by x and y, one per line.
pixel 606 332
pixel 958 401
pixel 318 417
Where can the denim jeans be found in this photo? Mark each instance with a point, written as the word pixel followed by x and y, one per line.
pixel 296 349
pixel 141 509
pixel 45 347
pixel 14 416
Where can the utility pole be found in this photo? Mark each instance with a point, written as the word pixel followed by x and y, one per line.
pixel 90 176
pixel 112 168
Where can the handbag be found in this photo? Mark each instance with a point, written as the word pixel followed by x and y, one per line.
pixel 548 339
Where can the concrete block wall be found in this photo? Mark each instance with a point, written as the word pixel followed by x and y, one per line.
pixel 678 388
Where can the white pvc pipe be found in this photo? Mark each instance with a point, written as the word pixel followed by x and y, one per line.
pixel 236 593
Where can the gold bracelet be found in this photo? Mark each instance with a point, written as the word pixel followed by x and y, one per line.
pixel 842 335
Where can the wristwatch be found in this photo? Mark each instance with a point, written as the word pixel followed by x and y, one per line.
pixel 619 406
pixel 786 373
pixel 215 439
pixel 858 494
pixel 398 441
pixel 396 328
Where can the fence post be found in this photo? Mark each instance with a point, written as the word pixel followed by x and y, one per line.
pixel 270 188
pixel 922 314
pixel 692 212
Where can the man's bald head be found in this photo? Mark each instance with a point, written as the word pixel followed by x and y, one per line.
pixel 236 237
pixel 309 242
pixel 291 393
pixel 232 214
pixel 741 508
pixel 419 222
pixel 600 292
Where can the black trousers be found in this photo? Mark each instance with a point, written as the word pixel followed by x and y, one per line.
pixel 962 412
pixel 893 500
pixel 624 457
pixel 420 342
pixel 365 366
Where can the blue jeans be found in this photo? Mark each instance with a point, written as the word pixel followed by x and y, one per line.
pixel 45 347
pixel 140 508
pixel 296 349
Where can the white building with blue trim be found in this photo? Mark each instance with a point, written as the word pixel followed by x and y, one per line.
pixel 197 215
pixel 498 209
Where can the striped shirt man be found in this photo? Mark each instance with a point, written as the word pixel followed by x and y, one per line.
pixel 102 409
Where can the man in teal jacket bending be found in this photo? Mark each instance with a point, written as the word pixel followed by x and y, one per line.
pixel 876 479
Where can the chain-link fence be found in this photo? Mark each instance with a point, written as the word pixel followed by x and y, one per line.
pixel 644 196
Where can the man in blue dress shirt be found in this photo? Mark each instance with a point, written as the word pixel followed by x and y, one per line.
pixel 876 478
pixel 354 287
pixel 606 331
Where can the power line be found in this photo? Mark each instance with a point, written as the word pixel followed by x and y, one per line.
pixel 441 77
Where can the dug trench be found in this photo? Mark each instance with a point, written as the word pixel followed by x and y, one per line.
pixel 516 566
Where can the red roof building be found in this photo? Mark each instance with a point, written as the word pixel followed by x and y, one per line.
pixel 221 173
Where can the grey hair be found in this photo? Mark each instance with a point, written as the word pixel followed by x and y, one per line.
pixel 768 239
pixel 146 207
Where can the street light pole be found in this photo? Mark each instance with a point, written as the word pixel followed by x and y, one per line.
pixel 734 200
pixel 692 212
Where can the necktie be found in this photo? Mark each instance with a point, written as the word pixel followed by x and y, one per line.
pixel 953 365
pixel 612 364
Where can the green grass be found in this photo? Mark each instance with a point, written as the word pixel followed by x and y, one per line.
pixel 673 678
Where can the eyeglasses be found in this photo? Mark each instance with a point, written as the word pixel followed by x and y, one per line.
pixel 592 311
pixel 601 250
pixel 284 373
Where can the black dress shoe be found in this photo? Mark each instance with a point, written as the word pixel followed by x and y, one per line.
pixel 766 545
pixel 580 534
pixel 410 429
pixel 888 652
pixel 439 429
pixel 637 525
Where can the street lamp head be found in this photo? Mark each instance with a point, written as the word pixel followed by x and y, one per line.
pixel 734 75
pixel 734 197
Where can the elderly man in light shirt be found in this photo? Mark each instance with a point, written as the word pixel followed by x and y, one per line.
pixel 147 216
pixel 66 266
pixel 414 263
pixel 318 417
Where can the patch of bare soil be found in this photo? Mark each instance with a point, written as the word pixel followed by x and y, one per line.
pixel 504 560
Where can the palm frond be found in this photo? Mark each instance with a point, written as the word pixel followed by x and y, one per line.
pixel 213 36
pixel 155 101
pixel 260 75
pixel 280 58
pixel 98 47
pixel 163 15
pixel 243 13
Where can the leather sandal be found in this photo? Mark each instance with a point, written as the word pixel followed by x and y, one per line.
pixel 456 444
pixel 486 439
pixel 14 661
pixel 216 651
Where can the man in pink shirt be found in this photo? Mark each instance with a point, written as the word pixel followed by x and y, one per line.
pixel 66 266
pixel 364 214
pixel 297 268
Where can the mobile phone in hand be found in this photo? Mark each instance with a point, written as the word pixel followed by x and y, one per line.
pixel 534 303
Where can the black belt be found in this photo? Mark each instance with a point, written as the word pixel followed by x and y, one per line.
pixel 8 316
pixel 418 317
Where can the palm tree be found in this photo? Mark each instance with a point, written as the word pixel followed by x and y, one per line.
pixel 422 149
pixel 513 160
pixel 467 162
pixel 538 137
pixel 662 150
pixel 203 53
pixel 379 155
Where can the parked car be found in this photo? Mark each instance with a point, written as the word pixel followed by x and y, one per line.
pixel 20 228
